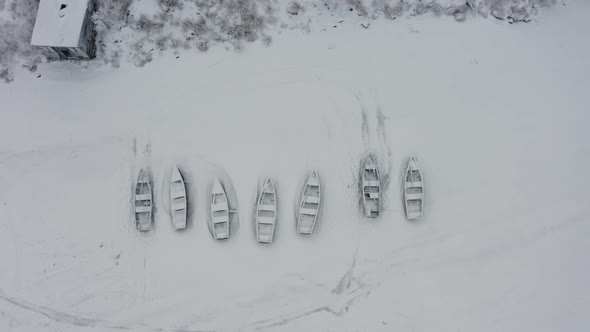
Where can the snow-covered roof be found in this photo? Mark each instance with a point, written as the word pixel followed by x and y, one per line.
pixel 59 23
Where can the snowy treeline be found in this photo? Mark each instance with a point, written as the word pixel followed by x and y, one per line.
pixel 510 10
pixel 140 28
pixel 136 29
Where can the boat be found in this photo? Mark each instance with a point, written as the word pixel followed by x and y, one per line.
pixel 309 207
pixel 178 203
pixel 371 187
pixel 266 213
pixel 219 212
pixel 143 202
pixel 413 191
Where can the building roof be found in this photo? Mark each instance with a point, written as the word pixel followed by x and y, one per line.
pixel 59 23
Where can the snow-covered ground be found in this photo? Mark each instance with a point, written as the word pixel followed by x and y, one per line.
pixel 496 113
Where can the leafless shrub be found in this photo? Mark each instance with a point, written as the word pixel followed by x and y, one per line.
pixel 167 5
pixel 358 6
pixel 389 9
pixel 162 42
pixel 115 11
pixel 294 8
pixel 175 43
pixel 147 25
pixel 110 16
pixel 197 27
pixel 6 75
pixel 459 13
pixel 13 8
pixel 203 46
pixel 141 56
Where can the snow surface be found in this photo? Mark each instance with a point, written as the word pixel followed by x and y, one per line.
pixel 497 115
pixel 59 23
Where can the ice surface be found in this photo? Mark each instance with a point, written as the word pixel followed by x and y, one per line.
pixel 504 246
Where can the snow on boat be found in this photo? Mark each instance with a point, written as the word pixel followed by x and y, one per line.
pixel 178 206
pixel 413 191
pixel 310 205
pixel 371 187
pixel 266 213
pixel 219 212
pixel 143 202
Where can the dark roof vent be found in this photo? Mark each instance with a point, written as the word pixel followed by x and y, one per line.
pixel 63 6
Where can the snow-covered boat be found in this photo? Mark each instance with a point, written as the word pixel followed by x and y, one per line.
pixel 143 202
pixel 266 213
pixel 371 187
pixel 178 206
pixel 413 191
pixel 309 207
pixel 219 212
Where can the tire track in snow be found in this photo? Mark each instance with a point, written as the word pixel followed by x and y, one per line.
pixel 351 287
pixel 15 239
pixel 376 142
pixel 386 152
pixel 349 290
pixel 132 181
pixel 55 315
pixel 336 301
pixel 81 321
pixel 365 133
pixel 142 159
pixel 346 279
pixel 148 162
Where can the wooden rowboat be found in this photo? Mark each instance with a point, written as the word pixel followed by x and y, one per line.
pixel 413 191
pixel 371 187
pixel 178 203
pixel 266 213
pixel 219 212
pixel 143 202
pixel 309 207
